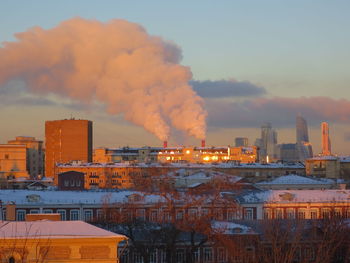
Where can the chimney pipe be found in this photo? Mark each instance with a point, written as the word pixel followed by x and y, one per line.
pixel 203 143
pixel 165 144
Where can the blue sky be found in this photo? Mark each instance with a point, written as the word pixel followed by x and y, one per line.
pixel 290 48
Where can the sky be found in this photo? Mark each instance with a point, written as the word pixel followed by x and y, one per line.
pixel 251 62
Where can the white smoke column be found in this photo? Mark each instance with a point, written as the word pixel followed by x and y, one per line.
pixel 116 63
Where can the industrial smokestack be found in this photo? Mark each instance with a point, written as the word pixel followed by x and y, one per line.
pixel 203 143
pixel 165 144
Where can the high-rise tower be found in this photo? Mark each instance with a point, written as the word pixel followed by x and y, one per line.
pixel 304 147
pixel 65 141
pixel 268 142
pixel 326 142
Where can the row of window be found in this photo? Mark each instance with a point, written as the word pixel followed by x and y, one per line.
pixel 159 256
pixel 154 215
pixel 302 213
pixel 74 214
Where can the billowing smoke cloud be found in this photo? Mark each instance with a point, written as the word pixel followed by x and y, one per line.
pixel 116 63
pixel 227 88
pixel 280 111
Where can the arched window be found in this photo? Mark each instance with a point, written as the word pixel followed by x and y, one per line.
pixel 12 260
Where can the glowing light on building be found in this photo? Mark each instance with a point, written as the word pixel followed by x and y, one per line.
pixel 206 158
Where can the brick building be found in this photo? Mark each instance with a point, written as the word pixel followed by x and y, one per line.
pixel 65 141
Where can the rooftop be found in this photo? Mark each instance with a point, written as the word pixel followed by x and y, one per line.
pixel 295 196
pixel 52 230
pixel 295 179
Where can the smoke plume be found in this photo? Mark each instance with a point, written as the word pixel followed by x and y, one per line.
pixel 116 63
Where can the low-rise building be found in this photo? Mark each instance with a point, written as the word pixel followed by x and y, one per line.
pixel 57 241
pixel 297 182
pixel 34 155
pixel 123 175
pixel 243 154
pixel 329 167
pixel 13 161
pixel 248 204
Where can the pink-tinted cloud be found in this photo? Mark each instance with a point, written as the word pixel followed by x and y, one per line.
pixel 278 110
pixel 116 63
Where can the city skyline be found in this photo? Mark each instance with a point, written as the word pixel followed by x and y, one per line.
pixel 249 66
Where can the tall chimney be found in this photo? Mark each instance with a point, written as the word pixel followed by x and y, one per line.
pixel 203 143
pixel 165 144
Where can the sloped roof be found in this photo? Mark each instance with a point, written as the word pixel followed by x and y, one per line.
pixel 294 179
pixel 53 230
pixel 295 196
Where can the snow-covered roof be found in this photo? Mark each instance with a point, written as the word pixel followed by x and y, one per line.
pixel 344 159
pixel 325 157
pixel 188 165
pixel 53 230
pixel 294 179
pixel 26 197
pixel 229 228
pixel 296 196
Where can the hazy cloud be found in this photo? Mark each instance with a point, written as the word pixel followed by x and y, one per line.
pixel 226 88
pixel 281 112
pixel 347 136
pixel 18 99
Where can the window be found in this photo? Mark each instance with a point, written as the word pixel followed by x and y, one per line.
pixel 20 215
pixel 7 156
pixel 278 213
pixel 231 215
pixel 140 214
pixel 208 254
pixel 47 211
pixel 153 256
pixel 205 211
pixel 34 211
pixel 248 213
pixel 137 258
pixel 314 214
pixel 74 214
pixel 66 183
pixel 162 256
pixel 179 215
pixel 180 256
pixel 337 212
pixel 348 213
pixel 221 254
pixel 154 215
pixel 218 214
pixel 12 260
pixel 192 213
pixel 166 216
pixel 3 214
pixel 88 215
pixel 325 212
pixel 290 213
pixel 309 253
pixel 196 255
pixel 100 214
pixel 267 213
pixel 301 214
pixel 62 212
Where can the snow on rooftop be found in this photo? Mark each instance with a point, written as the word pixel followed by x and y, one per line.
pixel 224 227
pixel 296 196
pixel 188 165
pixel 295 179
pixel 53 230
pixel 25 197
pixel 326 157
pixel 344 159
